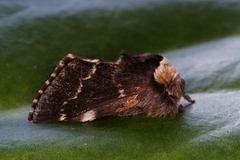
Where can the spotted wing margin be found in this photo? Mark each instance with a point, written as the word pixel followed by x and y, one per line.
pixel 77 86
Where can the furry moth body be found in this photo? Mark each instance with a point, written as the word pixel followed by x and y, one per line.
pixel 82 89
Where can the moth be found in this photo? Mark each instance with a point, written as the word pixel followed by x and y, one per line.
pixel 82 89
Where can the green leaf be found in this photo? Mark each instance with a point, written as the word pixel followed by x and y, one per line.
pixel 199 38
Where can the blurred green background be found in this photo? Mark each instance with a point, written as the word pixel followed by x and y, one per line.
pixel 201 38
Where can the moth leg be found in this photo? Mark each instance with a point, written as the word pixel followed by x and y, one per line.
pixel 188 98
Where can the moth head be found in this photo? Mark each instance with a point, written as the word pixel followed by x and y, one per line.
pixel 167 75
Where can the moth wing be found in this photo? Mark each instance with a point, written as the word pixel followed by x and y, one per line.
pixel 64 84
pixel 122 106
pixel 76 87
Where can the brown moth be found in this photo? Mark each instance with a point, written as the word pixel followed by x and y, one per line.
pixel 82 89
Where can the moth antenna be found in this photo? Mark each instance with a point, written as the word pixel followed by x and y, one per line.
pixel 165 72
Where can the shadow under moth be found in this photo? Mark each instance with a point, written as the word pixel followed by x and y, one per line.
pixel 82 89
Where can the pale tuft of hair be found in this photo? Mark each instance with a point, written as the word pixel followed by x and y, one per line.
pixel 165 72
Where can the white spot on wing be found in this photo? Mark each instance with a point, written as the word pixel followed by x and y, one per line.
pixel 92 60
pixel 62 117
pixel 35 100
pixel 40 91
pixel 65 103
pixel 88 77
pixel 61 64
pixel 80 88
pixel 71 56
pixel 93 70
pixel 53 75
pixel 75 95
pixel 47 82
pixel 122 94
pixel 88 116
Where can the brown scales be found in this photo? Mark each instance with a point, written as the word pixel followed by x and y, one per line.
pixel 82 89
